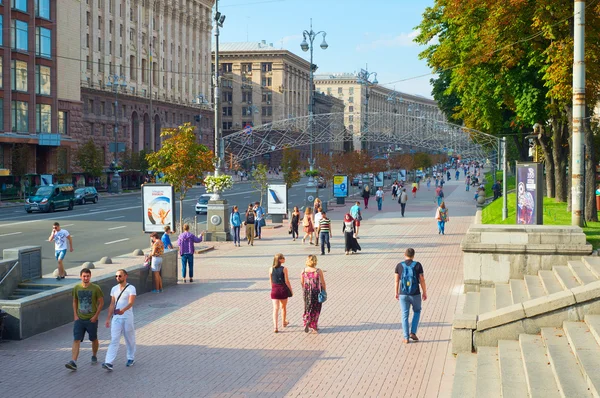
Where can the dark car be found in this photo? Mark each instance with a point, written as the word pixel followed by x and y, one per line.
pixel 86 194
pixel 50 197
pixel 321 183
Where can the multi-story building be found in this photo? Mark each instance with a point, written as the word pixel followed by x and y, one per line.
pixel 346 87
pixel 158 52
pixel 325 104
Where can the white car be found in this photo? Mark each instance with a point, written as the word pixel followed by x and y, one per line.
pixel 202 203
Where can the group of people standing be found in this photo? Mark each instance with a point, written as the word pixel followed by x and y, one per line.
pixel 253 220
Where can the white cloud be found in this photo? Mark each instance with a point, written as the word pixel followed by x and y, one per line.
pixel 283 42
pixel 387 41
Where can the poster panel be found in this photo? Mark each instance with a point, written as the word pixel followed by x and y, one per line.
pixel 529 194
pixel 340 186
pixel 379 179
pixel 158 207
pixel 277 199
pixel 402 175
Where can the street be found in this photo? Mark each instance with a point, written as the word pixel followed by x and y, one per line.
pixel 113 226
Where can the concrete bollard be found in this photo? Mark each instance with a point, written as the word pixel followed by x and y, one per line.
pixel 138 252
pixel 106 260
pixel 55 273
pixel 88 265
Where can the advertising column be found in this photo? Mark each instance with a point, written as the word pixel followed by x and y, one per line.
pixel 158 207
pixel 530 194
pixel 277 202
pixel 340 188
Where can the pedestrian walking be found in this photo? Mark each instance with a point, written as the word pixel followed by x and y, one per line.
pixel 324 232
pixel 379 198
pixel 497 189
pixel 60 238
pixel 309 226
pixel 295 220
pixel 235 220
pixel 317 218
pixel 394 190
pixel 349 231
pixel 448 175
pixel 120 320
pixel 249 222
pixel 186 241
pixel 317 204
pixel 441 215
pixel 457 175
pixel 356 215
pixel 403 200
pixel 156 253
pixel 281 290
pixel 88 301
pixel 313 282
pixel 365 195
pixel 467 183
pixel 409 275
pixel 260 220
pixel 166 239
pixel 439 194
pixel 414 189
pixel 429 183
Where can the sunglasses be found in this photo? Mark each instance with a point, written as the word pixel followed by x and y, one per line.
pixel 118 276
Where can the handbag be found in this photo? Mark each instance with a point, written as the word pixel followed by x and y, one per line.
pixel 359 218
pixel 322 293
pixel 290 230
pixel 262 222
pixel 289 292
pixel 147 261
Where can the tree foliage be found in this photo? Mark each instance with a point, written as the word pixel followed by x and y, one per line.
pixel 182 160
pixel 89 158
pixel 21 157
pixel 260 180
pixel 290 166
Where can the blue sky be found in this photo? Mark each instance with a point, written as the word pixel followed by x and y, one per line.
pixel 378 33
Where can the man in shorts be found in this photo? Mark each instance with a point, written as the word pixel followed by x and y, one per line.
pixel 88 301
pixel 60 238
pixel 355 212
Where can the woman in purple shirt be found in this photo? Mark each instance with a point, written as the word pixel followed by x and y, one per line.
pixel 186 241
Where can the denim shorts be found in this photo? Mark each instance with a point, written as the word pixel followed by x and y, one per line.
pixel 60 254
pixel 156 264
pixel 80 327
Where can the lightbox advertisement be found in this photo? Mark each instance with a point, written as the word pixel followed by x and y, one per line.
pixel 340 186
pixel 379 179
pixel 529 194
pixel 277 199
pixel 158 207
pixel 402 175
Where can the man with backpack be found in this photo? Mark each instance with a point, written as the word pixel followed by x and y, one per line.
pixel 260 216
pixel 409 275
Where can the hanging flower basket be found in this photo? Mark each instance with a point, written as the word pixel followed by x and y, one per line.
pixel 218 184
pixel 312 173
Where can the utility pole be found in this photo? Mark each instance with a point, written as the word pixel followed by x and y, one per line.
pixel 577 194
pixel 504 177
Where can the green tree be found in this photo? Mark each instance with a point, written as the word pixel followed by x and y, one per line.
pixel 182 160
pixel 290 166
pixel 422 160
pixel 89 159
pixel 260 181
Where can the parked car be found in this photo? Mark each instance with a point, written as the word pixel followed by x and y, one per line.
pixel 51 197
pixel 86 194
pixel 202 203
pixel 356 181
pixel 321 183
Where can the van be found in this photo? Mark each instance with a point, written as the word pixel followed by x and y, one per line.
pixel 51 197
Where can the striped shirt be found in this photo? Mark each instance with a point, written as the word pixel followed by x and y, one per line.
pixel 325 225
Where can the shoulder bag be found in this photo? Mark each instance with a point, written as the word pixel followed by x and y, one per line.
pixel 322 293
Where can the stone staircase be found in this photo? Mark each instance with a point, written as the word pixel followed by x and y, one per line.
pixel 560 278
pixel 559 362
pixel 25 289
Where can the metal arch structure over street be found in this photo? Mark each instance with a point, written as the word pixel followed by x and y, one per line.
pixel 430 134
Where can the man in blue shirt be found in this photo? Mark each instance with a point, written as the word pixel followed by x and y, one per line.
pixel 260 215
pixel 166 239
pixel 355 213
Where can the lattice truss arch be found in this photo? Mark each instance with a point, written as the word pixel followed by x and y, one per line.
pixel 380 127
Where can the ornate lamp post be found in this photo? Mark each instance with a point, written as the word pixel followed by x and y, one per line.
pixel 114 82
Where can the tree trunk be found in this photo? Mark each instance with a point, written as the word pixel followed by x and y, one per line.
pixel 591 212
pixel 545 144
pixel 560 158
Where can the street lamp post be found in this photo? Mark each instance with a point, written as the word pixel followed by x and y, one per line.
pixel 305 46
pixel 219 19
pixel 363 79
pixel 116 81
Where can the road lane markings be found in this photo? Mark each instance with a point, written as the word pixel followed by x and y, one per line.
pixel 68 225
pixel 113 218
pixel 116 241
pixel 12 233
pixel 122 226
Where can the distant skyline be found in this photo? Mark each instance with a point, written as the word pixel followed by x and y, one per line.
pixel 383 41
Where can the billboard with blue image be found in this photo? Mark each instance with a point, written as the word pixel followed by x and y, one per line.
pixel 340 186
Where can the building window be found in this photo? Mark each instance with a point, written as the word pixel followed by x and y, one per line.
pixel 1 82
pixel 131 14
pixel 110 47
pixel 267 111
pixel 19 75
pixel 100 66
pixel 99 44
pixel 42 8
pixel 102 108
pixel 351 128
pixel 120 50
pixel 227 96
pixel 42 80
pixel 43 117
pixel 121 30
pixel 247 96
pixel 267 97
pixel 20 5
pixel 266 66
pixel 131 34
pixel 90 105
pixel 267 81
pixel 340 91
pixel 227 125
pixel 351 91
pixel 226 68
pixel 62 122
pixel 88 62
pixel 144 72
pixel 1 30
pixel 227 110
pixel 104 130
pixel 246 68
pixel 132 68
pixel 351 100
pixel 43 46
pixel 350 109
pixel 19 35
pixel 99 21
pixel 351 119
pixel 1 126
pixel 110 25
pixel 20 116
pixel 88 18
pixel 329 91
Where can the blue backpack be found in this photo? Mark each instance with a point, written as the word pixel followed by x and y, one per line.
pixel 409 284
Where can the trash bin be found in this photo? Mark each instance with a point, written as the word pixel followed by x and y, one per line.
pixel 597 202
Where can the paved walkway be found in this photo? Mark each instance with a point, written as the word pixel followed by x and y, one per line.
pixel 214 338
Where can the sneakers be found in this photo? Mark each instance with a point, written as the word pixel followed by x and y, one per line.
pixel 94 360
pixel 71 365
pixel 130 363
pixel 107 366
pixel 191 280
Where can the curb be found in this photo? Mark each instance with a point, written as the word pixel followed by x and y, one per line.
pixel 204 250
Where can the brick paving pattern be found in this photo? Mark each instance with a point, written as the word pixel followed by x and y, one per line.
pixel 214 338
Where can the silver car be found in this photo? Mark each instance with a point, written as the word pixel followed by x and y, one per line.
pixel 202 203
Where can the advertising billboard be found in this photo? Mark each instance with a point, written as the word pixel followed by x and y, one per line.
pixel 277 199
pixel 158 207
pixel 529 194
pixel 340 186
pixel 379 179
pixel 401 175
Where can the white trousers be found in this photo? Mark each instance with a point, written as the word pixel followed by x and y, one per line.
pixel 118 327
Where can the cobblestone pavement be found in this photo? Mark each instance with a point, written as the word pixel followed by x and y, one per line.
pixel 214 338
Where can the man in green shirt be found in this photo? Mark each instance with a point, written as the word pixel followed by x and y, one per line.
pixel 88 301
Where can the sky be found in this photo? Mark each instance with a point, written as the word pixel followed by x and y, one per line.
pixel 377 33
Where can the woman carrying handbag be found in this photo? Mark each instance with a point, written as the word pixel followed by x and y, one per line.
pixel 309 226
pixel 314 289
pixel 281 290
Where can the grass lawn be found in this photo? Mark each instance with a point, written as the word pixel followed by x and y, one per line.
pixel 554 214
pixel 510 182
